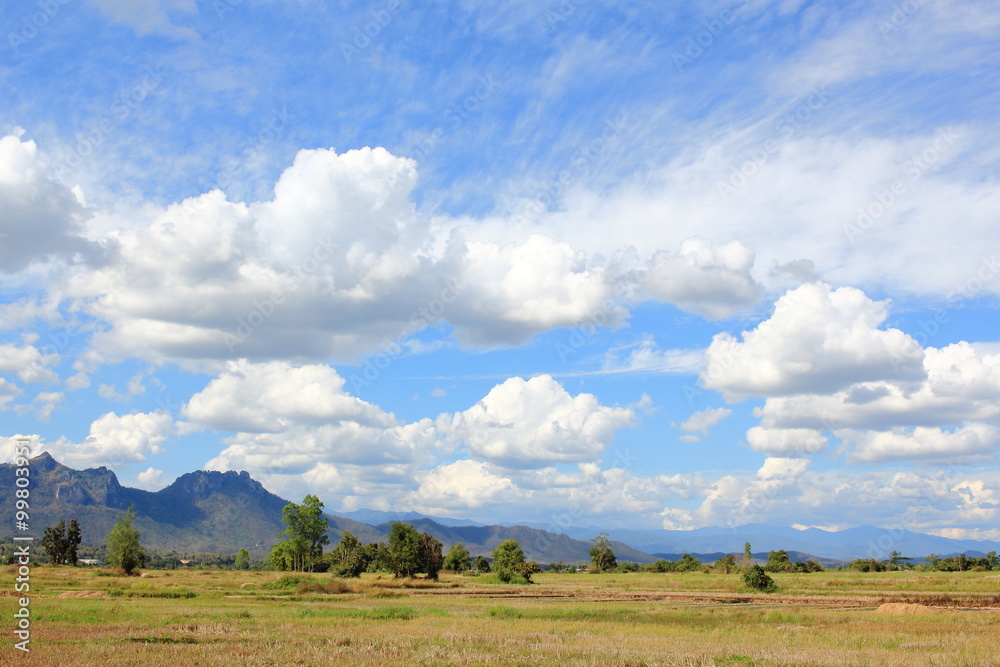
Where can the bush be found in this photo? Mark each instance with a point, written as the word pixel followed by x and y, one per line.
pixel 757 579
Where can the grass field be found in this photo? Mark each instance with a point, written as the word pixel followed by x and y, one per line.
pixel 215 617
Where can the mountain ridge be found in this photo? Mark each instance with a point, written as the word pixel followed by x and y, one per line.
pixel 213 511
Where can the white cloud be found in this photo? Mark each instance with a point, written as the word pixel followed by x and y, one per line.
pixel 962 444
pixel 511 292
pixel 42 218
pixel 786 441
pixel 337 264
pixel 646 357
pixel 289 419
pixel 703 420
pixel 269 397
pixel 28 362
pixel 146 16
pixel 462 485
pixel 818 339
pixel 524 423
pixel 48 400
pixel 8 392
pixel 735 500
pixel 960 385
pixel 712 281
pixel 114 440
pixel 150 479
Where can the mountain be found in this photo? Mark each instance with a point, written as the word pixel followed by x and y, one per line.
pixel 209 511
pixel 375 517
pixel 848 544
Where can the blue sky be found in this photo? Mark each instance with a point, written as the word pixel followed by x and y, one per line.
pixel 661 265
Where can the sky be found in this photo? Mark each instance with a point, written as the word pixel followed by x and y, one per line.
pixel 579 262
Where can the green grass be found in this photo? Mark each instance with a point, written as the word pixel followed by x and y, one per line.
pixel 265 618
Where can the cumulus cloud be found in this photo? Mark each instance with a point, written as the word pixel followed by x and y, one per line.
pixel 337 264
pixel 736 500
pixel 462 485
pixel 151 479
pixel 289 418
pixel 523 423
pixel 28 362
pixel 114 440
pixel 268 397
pixel 817 340
pixel 712 281
pixel 786 441
pixel 513 291
pixel 969 442
pixel 42 219
pixel 703 420
pixel 960 385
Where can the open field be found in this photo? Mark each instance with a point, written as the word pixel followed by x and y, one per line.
pixel 214 617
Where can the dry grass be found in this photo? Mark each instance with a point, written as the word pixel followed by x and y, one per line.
pixel 250 618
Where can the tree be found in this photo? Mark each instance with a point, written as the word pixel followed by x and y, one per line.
pixel 306 533
pixel 506 558
pixel 757 579
pixel 74 537
pixel 431 557
pixel 349 558
pixel 747 555
pixel 404 550
pixel 54 543
pixel 602 557
pixel 991 561
pixel 687 563
pixel 124 549
pixel 727 563
pixel 481 563
pixel 778 561
pixel 458 559
pixel 242 561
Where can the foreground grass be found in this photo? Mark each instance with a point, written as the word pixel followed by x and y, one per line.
pixel 253 618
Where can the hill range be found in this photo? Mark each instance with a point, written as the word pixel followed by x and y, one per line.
pixel 221 512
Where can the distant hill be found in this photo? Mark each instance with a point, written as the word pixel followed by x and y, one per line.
pixel 375 517
pixel 848 544
pixel 759 558
pixel 221 512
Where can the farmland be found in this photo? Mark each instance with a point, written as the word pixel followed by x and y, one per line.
pixel 220 617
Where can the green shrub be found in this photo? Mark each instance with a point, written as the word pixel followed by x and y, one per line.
pixel 757 579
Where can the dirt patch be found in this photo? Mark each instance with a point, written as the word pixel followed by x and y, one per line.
pixel 904 609
pixel 83 594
